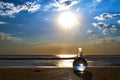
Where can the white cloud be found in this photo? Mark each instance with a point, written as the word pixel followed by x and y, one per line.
pixel 46 19
pixel 101 41
pixel 78 9
pixel 118 21
pixel 92 34
pixel 98 0
pixel 9 9
pixel 110 30
pixel 105 16
pixel 92 5
pixel 1 22
pixel 105 40
pixel 107 27
pixel 31 7
pixel 50 6
pixel 9 37
pixel 89 31
pixel 60 5
pixel 100 25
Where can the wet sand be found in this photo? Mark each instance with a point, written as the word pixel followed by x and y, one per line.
pixel 92 73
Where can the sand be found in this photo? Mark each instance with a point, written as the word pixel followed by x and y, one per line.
pixel 92 73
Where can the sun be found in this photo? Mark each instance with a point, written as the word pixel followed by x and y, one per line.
pixel 67 20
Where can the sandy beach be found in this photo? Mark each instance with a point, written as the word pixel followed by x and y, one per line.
pixel 92 73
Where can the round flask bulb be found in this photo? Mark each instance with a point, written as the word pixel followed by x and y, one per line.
pixel 80 63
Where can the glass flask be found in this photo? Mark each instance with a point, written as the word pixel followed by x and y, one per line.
pixel 80 63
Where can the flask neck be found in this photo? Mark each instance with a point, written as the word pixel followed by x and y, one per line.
pixel 80 52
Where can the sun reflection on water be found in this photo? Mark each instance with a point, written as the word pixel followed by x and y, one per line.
pixel 66 56
pixel 69 62
pixel 65 63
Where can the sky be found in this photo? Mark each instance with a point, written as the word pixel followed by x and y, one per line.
pixel 39 27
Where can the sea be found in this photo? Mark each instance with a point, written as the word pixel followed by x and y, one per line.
pixel 57 60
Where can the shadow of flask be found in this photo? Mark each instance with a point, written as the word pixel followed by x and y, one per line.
pixel 86 75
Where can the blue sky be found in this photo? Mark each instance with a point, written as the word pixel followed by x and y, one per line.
pixel 31 27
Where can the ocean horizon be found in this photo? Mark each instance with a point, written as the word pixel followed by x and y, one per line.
pixel 56 60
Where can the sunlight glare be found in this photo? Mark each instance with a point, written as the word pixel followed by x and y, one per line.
pixel 65 63
pixel 67 20
pixel 66 56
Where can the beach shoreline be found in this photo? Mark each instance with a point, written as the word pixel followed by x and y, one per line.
pixel 59 73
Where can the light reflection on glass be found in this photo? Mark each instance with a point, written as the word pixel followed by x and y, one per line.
pixel 80 67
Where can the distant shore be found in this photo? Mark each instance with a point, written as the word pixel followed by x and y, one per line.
pixel 57 73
